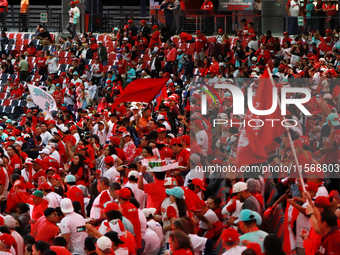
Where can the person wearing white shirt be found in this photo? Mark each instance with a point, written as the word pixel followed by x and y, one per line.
pixel 202 141
pixel 102 198
pixel 101 130
pixel 111 174
pixel 45 135
pixel 10 222
pixel 52 64
pixel 72 228
pixel 133 185
pixel 53 198
pixel 152 242
pixel 54 154
pixel 210 215
pixel 152 224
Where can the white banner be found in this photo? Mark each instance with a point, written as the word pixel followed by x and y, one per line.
pixel 43 99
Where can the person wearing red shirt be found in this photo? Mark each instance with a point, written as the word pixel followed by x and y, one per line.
pixel 286 38
pixel 31 50
pixel 155 191
pixel 180 243
pixel 14 159
pixel 141 42
pixel 269 41
pixel 73 192
pixel 154 39
pixel 94 45
pixel 16 93
pixel 262 52
pixel 126 43
pixel 41 63
pixel 201 43
pixel 330 233
pixel 121 63
pixel 170 57
pixel 38 202
pixel 58 95
pixel 45 229
pixel 208 8
pixel 186 38
pixel 47 160
pixel 67 137
pixel 130 212
pixel 182 155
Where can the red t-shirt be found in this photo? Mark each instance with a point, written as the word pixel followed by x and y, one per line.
pixel 331 157
pixel 121 66
pixel 185 37
pixel 156 194
pixel 15 162
pixel 49 162
pixel 39 174
pixel 70 138
pixel 131 213
pixel 330 243
pixel 183 157
pixel 44 230
pixel 15 93
pixel 182 252
pixel 41 62
pixel 200 43
pixel 60 250
pixel 75 194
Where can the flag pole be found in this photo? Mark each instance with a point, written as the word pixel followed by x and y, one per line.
pixel 289 136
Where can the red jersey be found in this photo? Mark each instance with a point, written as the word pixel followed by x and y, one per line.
pixel 154 39
pixel 15 162
pixel 131 213
pixel 58 96
pixel 41 62
pixel 12 200
pixel 183 157
pixel 185 37
pixel 75 194
pixel 156 194
pixel 38 174
pixel 200 43
pixel 70 138
pixel 45 230
pixel 121 66
pixel 142 43
pixel 15 93
pixel 330 243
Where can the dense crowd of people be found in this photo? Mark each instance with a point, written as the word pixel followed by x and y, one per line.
pixel 75 181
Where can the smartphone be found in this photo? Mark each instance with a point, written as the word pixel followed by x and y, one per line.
pixel 81 229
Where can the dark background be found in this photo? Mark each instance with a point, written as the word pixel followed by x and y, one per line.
pixel 189 3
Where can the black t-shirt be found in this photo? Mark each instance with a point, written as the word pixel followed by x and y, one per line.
pixel 45 35
pixel 32 153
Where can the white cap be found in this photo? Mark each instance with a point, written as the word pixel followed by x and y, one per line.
pixel 253 58
pixel 9 221
pixel 322 59
pixel 327 96
pixel 49 148
pixel 336 35
pixel 5 117
pixel 134 107
pixel 64 129
pixel 256 69
pixel 46 151
pixel 19 143
pixel 126 134
pixel 239 186
pixel 66 205
pixel 223 115
pixel 323 69
pixel 52 145
pixel 125 39
pixel 314 87
pixel 148 211
pixel 104 243
pixel 293 42
pixel 26 135
pixel 83 76
pixel 28 161
pixel 160 117
pixel 133 173
pixel 99 42
pixel 233 138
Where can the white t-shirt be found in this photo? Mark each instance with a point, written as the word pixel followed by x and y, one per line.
pixel 237 250
pixel 101 134
pixel 143 222
pixel 210 215
pixel 122 251
pixel 53 199
pixel 198 243
pixel 19 241
pixel 76 135
pixel 112 174
pixel 302 223
pixel 69 225
pixel 56 156
pixel 95 210
pixel 46 137
pixel 202 141
pixel 152 242
pixel 6 253
pixel 139 194
pixel 155 226
pixel 26 174
pixel 193 173
pixel 294 8
pixel 253 44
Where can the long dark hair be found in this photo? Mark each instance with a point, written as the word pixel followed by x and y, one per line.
pixel 272 245
pixel 182 207
pixel 74 168
pixel 183 240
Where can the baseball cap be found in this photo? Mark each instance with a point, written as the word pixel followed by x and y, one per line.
pixel 64 129
pixel 115 140
pixel 170 181
pixel 161 129
pixel 240 186
pixel 45 151
pixel 334 119
pixel 114 237
pixel 70 178
pixel 37 193
pixel 45 186
pixel 198 182
pixel 148 211
pixel 175 141
pixel 230 235
pixel 186 139
pixel 176 192
pixel 7 239
pixel 298 143
pixel 217 161
pixel 160 117
pixel 109 160
pixel 247 215
pixel 126 134
pixel 133 173
pixel 66 205
pixel 38 161
pixel 75 73
pixel 322 202
pixel 305 140
pixel 110 206
pixel 255 247
pixel 80 148
pixel 311 186
pixel 124 193
pixel 56 177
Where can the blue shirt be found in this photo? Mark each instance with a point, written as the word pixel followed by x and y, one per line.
pixel 256 236
pixel 309 8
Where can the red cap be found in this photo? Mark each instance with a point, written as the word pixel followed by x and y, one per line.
pixel 73 127
pixel 110 207
pixel 154 27
pixel 175 141
pixel 51 169
pixel 199 123
pixel 311 186
pixel 230 235
pixel 285 33
pixel 80 147
pixel 255 247
pixel 122 129
pixel 322 202
pixel 51 122
pixel 108 81
pixel 17 80
pixel 143 21
pixel 45 186
pixel 9 79
pixel 298 143
pixel 301 73
pixel 220 30
pixel 130 21
pixel 115 140
pixel 38 161
pixel 198 182
pixel 214 39
pixel 7 239
pixel 63 74
pixel 72 2
pixel 166 75
pixel 56 177
pixel 93 39
pixel 217 161
pixel 109 160
pixel 305 140
pixel 328 30
pixel 198 32
pixel 282 66
pixel 63 108
pixel 124 193
pixel 186 139
pixel 161 129
pixel 170 181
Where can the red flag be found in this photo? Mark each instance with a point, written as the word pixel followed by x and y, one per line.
pixel 263 101
pixel 162 95
pixel 141 90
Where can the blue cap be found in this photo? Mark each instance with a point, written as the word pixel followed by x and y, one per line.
pixel 58 84
pixel 333 118
pixel 176 192
pixel 247 215
pixel 8 121
pixel 12 138
pixel 70 178
pixel 75 73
